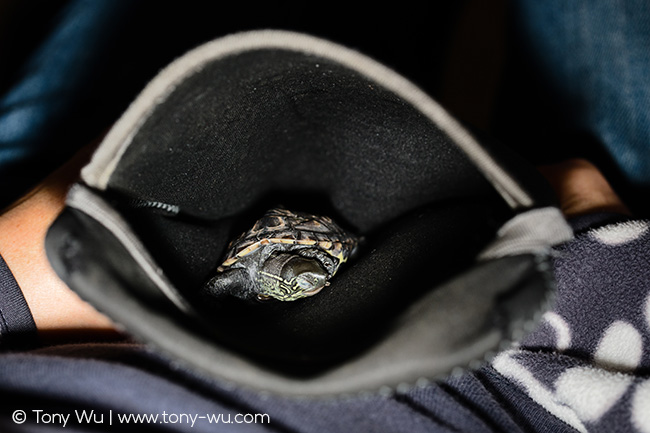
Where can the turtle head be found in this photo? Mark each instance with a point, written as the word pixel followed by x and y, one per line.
pixel 287 277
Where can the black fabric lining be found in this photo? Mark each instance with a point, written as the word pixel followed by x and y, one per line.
pixel 397 264
pixel 279 128
pixel 280 121
pixel 17 327
pixel 268 128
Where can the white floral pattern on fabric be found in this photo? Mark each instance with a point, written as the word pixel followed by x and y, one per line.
pixel 590 392
pixel 588 360
pixel 508 366
pixel 620 348
pixel 561 328
pixel 621 233
pixel 641 407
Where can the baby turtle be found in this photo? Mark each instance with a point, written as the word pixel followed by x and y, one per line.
pixel 286 255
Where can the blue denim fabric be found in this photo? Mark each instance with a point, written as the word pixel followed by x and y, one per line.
pixel 44 99
pixel 595 55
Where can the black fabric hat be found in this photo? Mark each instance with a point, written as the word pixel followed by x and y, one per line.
pixel 457 231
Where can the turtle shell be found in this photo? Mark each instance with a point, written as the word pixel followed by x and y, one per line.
pixel 294 230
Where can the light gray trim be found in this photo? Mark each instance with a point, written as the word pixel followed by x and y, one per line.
pixel 418 349
pixel 534 231
pixel 448 331
pixel 83 199
pixel 98 172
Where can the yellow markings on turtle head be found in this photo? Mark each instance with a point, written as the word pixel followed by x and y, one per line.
pixel 283 289
pixel 282 241
pixel 249 249
pixel 228 262
pixel 277 277
pixel 325 245
pixel 307 242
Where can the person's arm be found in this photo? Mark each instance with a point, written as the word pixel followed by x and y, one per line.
pixel 57 311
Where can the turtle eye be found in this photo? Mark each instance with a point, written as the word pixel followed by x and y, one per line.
pixel 311 282
pixel 305 276
pixel 305 283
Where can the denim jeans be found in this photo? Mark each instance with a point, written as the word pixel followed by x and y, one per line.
pixel 595 56
pixel 40 121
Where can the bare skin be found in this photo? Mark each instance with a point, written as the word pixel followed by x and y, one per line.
pixel 582 189
pixel 61 315
pixel 58 312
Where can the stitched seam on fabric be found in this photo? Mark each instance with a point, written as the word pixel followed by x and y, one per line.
pixel 422 410
pixel 475 409
pixel 522 423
